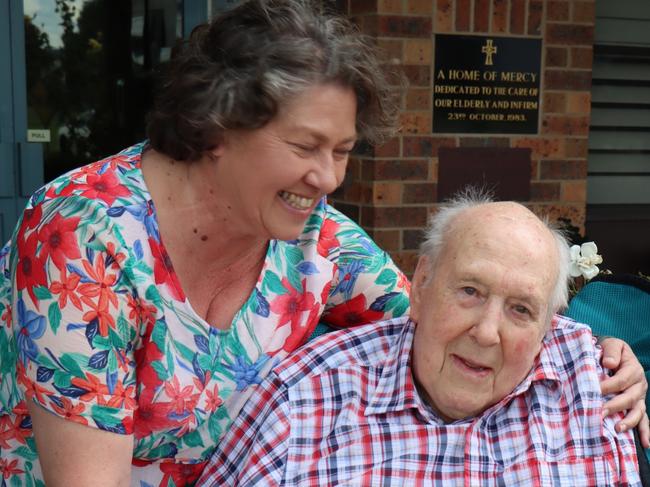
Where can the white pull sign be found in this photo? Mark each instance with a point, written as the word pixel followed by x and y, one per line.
pixel 38 135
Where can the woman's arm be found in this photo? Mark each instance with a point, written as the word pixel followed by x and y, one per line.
pixel 72 454
pixel 629 384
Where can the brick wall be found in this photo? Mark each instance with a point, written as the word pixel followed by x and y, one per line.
pixel 391 189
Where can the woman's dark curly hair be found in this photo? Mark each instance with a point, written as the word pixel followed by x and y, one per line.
pixel 235 73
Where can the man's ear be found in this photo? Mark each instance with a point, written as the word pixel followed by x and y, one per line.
pixel 419 283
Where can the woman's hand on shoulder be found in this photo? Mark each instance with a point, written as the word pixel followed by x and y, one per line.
pixel 73 454
pixel 629 384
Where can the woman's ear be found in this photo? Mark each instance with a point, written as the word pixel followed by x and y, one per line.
pixel 419 285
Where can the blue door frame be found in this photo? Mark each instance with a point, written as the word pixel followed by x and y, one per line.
pixel 21 162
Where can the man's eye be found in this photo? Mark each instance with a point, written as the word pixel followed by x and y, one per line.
pixel 522 310
pixel 470 291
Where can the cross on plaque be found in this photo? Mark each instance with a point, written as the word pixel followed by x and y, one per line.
pixel 488 49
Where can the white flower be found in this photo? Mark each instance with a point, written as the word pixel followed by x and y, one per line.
pixel 584 260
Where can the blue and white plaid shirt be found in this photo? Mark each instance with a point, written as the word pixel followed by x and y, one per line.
pixel 344 410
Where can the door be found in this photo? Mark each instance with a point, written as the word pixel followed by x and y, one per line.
pixel 76 82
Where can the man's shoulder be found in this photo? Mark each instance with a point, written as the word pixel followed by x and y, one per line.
pixel 361 346
pixel 570 352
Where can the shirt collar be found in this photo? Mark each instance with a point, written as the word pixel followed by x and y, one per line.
pixel 396 390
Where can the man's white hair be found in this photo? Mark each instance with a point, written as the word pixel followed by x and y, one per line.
pixel 436 236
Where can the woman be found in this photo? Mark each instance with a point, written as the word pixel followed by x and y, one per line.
pixel 131 368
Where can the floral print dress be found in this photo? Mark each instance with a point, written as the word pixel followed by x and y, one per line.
pixel 95 327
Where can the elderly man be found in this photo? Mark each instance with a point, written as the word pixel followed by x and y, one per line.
pixel 482 386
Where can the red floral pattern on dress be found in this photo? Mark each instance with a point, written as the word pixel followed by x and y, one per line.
pixel 107 339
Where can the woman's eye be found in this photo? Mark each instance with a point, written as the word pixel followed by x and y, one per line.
pixel 304 148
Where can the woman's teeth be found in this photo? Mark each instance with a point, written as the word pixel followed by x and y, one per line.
pixel 297 202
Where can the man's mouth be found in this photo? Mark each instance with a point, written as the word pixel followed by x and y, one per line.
pixel 296 201
pixel 471 366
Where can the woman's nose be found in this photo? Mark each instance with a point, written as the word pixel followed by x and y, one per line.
pixel 326 175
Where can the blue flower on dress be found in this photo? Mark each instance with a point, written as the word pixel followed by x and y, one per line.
pixel 247 373
pixel 30 326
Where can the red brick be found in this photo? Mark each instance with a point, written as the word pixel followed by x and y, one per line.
pixel 574 191
pixel 534 170
pixel 415 122
pixel 481 15
pixel 535 11
pixel 565 125
pixel 420 193
pixel 544 191
pixel 499 16
pixel 358 7
pixel 391 48
pixel 483 141
pixel 557 10
pixel 388 240
pixel 575 213
pixel 556 57
pixel 403 26
pixel 517 16
pixel 353 171
pixel 417 75
pixel 411 239
pixel 578 102
pixel 400 170
pixel 385 193
pixel 390 148
pixel 555 79
pixel 554 102
pixel 463 15
pixel 444 15
pixel 563 169
pixel 582 57
pixel 406 261
pixel 425 146
pixel 419 7
pixel 418 51
pixel 569 34
pixel 394 216
pixel 584 11
pixel 547 147
pixel 418 99
pixel 578 148
pixel 389 6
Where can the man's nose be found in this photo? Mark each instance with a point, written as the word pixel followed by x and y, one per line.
pixel 486 330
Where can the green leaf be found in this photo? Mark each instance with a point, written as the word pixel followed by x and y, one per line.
pixel 106 415
pixel 124 329
pixel 54 315
pixel 160 370
pixel 61 379
pixel 388 277
pixel 398 304
pixel 71 363
pixel 193 439
pixel 42 292
pixel 214 428
pixel 153 295
pixel 163 451
pixel 26 453
pixel 186 352
pixel 273 283
pixel 294 256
